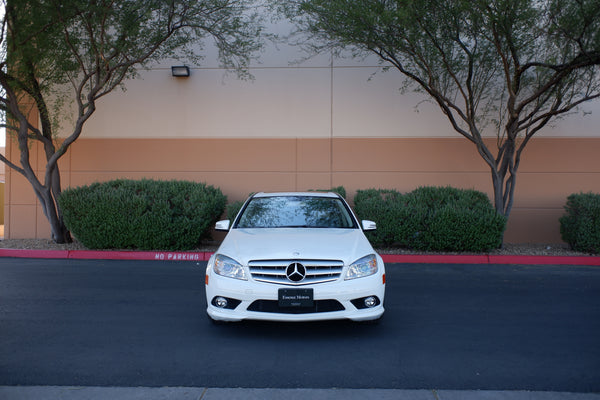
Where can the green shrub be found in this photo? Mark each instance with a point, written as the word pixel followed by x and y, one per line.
pixel 143 214
pixel 233 209
pixel 580 227
pixel 385 207
pixel 432 218
pixel 453 219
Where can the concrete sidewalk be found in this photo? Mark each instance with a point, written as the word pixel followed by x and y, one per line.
pixel 191 393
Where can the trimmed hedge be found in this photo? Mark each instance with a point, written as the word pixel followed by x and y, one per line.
pixel 386 208
pixel 580 227
pixel 233 209
pixel 432 219
pixel 141 214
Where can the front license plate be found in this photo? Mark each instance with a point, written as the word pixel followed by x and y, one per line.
pixel 296 297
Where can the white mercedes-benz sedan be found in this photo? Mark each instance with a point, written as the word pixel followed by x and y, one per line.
pixel 295 257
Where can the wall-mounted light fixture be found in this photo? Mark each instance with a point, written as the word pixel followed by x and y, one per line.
pixel 180 71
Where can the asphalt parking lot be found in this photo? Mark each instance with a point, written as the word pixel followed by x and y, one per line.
pixel 122 324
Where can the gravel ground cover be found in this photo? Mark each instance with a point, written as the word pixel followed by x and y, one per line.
pixel 537 249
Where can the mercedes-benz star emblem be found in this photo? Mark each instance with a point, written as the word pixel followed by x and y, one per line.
pixel 295 272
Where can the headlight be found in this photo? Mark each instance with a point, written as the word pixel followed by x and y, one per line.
pixel 363 267
pixel 228 267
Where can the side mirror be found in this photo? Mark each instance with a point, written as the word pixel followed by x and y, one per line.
pixel 368 225
pixel 222 225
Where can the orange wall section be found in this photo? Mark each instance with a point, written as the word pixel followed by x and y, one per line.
pixel 551 169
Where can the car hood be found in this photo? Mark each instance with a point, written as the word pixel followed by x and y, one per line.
pixel 244 245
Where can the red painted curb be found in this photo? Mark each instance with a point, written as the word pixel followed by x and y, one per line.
pixel 388 258
pixel 434 259
pixel 107 255
pixel 138 255
pixel 545 260
pixel 18 253
pixel 490 259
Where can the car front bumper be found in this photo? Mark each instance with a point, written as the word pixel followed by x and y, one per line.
pixel 258 301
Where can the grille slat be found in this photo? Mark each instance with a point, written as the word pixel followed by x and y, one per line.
pixel 274 271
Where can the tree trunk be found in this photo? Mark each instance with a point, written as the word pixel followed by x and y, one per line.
pixel 498 184
pixel 60 233
pixel 504 176
pixel 47 199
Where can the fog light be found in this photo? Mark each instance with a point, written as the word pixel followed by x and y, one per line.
pixel 370 301
pixel 366 302
pixel 225 303
pixel 220 302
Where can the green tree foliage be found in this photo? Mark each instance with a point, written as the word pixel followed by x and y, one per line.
pixel 499 68
pixel 77 51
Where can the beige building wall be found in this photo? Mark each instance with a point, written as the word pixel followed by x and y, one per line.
pixel 552 170
pixel 313 125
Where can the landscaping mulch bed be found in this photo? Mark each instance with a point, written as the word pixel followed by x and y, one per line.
pixel 508 249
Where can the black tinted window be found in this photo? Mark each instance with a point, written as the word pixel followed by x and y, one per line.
pixel 295 211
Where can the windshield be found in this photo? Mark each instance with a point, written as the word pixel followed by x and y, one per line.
pixel 296 212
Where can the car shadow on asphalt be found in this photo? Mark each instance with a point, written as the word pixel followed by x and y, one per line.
pixel 299 330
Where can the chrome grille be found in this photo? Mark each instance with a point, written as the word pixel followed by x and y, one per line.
pixel 274 271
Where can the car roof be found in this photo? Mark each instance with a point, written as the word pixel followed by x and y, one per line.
pixel 291 194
